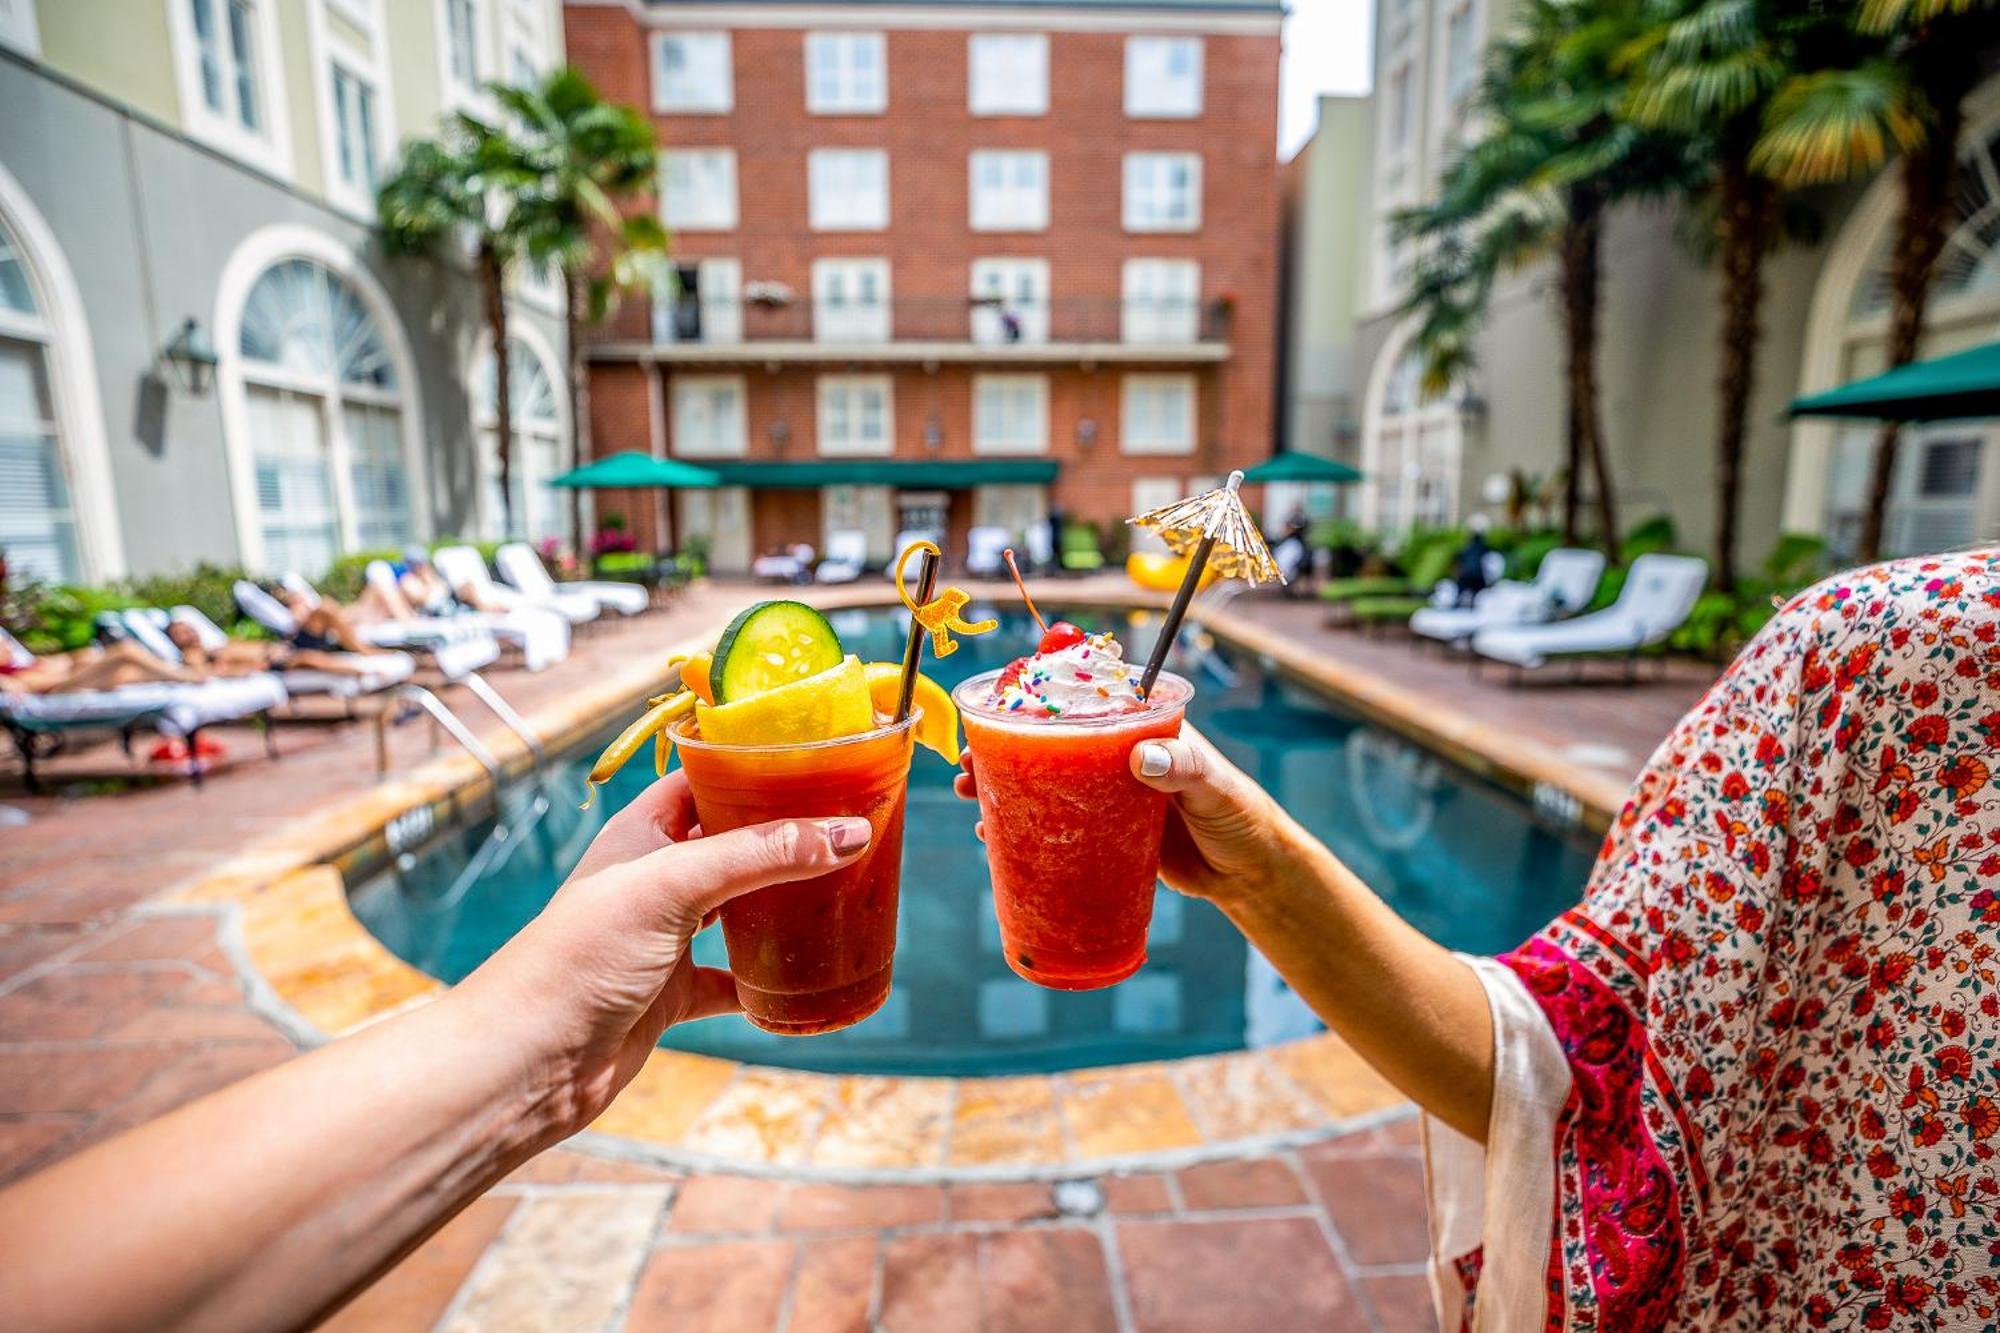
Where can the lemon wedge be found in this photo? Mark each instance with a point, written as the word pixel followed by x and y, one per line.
pixel 937 729
pixel 834 703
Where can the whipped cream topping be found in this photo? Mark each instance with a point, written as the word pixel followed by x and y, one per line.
pixel 1086 679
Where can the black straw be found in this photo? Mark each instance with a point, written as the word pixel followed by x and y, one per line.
pixel 913 651
pixel 1176 613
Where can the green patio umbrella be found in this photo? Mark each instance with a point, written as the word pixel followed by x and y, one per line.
pixel 1290 465
pixel 632 470
pixel 1945 388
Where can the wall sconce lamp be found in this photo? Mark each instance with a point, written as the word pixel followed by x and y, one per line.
pixel 192 357
pixel 933 433
pixel 1086 432
pixel 780 433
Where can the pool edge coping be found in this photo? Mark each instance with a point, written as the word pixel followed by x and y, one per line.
pixel 341 955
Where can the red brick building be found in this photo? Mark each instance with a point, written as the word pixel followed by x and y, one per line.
pixel 944 264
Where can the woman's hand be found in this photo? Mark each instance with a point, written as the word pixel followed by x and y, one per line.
pixel 1226 838
pixel 587 988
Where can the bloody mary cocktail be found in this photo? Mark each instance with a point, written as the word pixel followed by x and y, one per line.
pixel 1072 838
pixel 815 955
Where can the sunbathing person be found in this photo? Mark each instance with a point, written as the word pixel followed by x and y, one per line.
pixel 244 657
pixel 426 589
pixel 121 662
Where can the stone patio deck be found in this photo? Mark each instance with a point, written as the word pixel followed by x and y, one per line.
pixel 112 1013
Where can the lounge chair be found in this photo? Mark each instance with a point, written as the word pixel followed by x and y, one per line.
pixel 455 647
pixel 846 553
pixel 375 672
pixel 526 573
pixel 40 723
pixel 540 636
pixel 1041 547
pixel 1080 551
pixel 984 549
pixel 463 567
pixel 909 537
pixel 1659 593
pixel 1562 586
pixel 792 565
pixel 1426 561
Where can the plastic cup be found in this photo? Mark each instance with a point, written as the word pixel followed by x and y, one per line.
pixel 814 955
pixel 1072 838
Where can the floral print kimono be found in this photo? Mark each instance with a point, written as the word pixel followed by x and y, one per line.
pixel 1753 1081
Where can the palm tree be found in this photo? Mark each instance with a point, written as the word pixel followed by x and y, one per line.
pixel 581 162
pixel 1920 97
pixel 443 191
pixel 1764 87
pixel 1552 156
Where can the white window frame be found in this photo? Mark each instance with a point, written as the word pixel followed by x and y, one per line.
pixel 1150 93
pixel 459 92
pixel 357 135
pixel 837 398
pixel 713 92
pixel 1146 173
pixel 1002 275
pixel 1142 434
pixel 1459 80
pixel 1018 200
pixel 846 321
pixel 686 444
pixel 719 296
pixel 835 204
pixel 1007 73
pixel 525 50
pixel 695 208
pixel 996 433
pixel 1160 301
pixel 269 148
pixel 851 95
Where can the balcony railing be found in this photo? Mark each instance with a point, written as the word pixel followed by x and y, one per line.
pixel 981 322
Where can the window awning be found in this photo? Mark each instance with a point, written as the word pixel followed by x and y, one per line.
pixel 1945 388
pixel 931 474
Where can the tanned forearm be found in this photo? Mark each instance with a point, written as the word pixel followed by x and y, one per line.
pixel 268 1204
pixel 1411 1009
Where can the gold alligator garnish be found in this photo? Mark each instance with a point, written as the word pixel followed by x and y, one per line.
pixel 940 616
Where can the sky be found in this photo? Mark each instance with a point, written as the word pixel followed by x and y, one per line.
pixel 1328 49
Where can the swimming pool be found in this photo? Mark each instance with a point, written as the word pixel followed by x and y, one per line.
pixel 1468 862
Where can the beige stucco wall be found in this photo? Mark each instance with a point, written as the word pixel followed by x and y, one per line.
pixel 114 45
pixel 1326 273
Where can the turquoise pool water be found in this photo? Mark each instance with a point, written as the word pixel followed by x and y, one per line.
pixel 1468 862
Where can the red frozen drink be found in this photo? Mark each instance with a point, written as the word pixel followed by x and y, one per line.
pixel 1072 838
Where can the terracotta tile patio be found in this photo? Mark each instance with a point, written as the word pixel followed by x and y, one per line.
pixel 110 1016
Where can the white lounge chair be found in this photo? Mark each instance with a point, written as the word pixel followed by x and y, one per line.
pixel 793 565
pixel 541 636
pixel 464 568
pixel 39 723
pixel 907 538
pixel 1041 546
pixel 846 553
pixel 524 570
pixel 1562 586
pixel 1659 593
pixel 374 672
pixel 983 551
pixel 455 647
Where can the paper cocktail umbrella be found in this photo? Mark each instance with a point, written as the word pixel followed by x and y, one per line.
pixel 1211 529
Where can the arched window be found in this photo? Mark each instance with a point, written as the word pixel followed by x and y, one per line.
pixel 324 409
pixel 1411 451
pixel 1942 494
pixel 37 520
pixel 540 446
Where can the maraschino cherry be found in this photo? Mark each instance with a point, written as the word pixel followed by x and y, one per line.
pixel 1058 637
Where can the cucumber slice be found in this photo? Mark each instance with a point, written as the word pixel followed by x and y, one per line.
pixel 772 644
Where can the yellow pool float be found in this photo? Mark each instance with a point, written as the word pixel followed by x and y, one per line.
pixel 1158 572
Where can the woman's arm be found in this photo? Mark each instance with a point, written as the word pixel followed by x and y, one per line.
pixel 1412 1010
pixel 271 1202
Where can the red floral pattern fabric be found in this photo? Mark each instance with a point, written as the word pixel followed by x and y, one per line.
pixel 1778 998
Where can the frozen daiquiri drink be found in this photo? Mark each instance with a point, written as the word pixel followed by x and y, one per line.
pixel 780 723
pixel 1072 838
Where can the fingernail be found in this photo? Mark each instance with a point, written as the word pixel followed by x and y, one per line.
pixel 1154 760
pixel 848 835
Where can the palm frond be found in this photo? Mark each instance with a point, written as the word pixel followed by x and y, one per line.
pixel 1836 124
